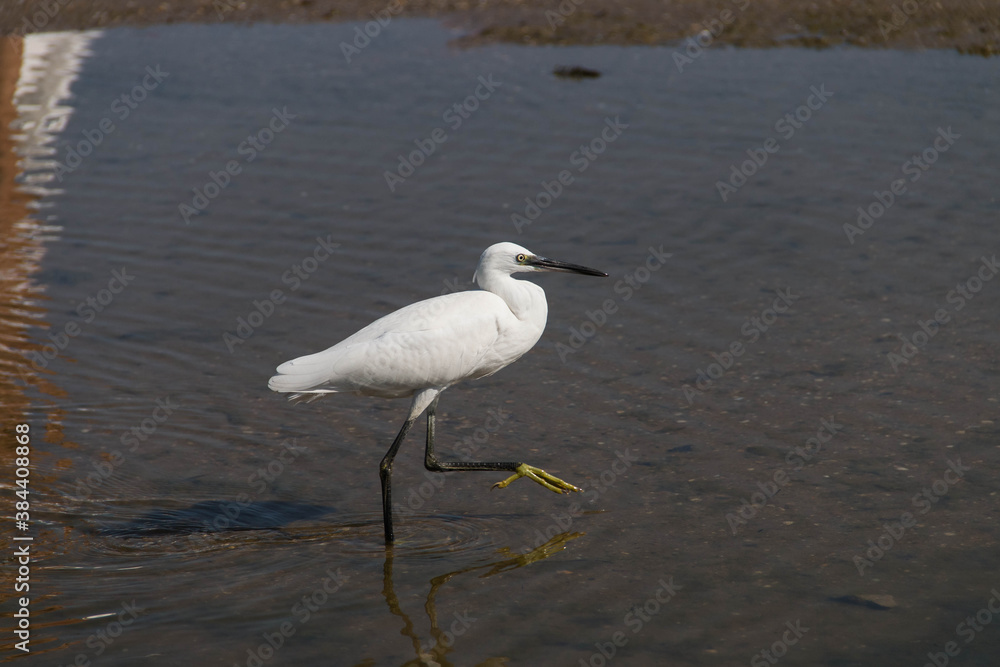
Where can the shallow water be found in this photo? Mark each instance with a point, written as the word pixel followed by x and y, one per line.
pixel 166 477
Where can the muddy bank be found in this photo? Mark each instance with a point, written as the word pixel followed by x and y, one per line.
pixel 970 26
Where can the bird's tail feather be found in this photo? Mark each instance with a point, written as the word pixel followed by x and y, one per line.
pixel 311 377
pixel 301 379
pixel 310 396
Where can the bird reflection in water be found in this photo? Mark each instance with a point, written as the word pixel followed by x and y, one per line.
pixel 443 642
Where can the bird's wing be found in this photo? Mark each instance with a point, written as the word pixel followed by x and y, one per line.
pixel 432 343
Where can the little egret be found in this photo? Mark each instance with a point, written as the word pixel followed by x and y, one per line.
pixel 426 347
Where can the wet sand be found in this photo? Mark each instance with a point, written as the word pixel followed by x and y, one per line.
pixel 970 26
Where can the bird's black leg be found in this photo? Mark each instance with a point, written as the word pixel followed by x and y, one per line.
pixel 519 469
pixel 432 464
pixel 385 474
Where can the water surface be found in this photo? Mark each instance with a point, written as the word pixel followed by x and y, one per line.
pixel 168 478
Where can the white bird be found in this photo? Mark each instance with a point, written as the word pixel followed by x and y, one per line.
pixel 424 348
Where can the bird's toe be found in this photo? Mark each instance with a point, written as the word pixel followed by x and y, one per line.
pixel 549 481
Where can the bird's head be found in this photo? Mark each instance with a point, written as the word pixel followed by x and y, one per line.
pixel 503 259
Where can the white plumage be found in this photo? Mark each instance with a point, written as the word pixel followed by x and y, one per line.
pixel 432 343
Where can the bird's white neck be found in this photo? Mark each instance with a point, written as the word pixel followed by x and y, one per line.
pixel 525 299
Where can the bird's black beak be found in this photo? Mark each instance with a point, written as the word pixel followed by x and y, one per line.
pixel 546 264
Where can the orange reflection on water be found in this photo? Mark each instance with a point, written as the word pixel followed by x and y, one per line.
pixel 36 73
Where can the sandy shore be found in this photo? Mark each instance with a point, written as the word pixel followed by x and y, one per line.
pixel 970 26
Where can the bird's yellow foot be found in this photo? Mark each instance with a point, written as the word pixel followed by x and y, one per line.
pixel 550 482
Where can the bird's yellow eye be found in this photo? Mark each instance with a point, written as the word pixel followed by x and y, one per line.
pixel 521 258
